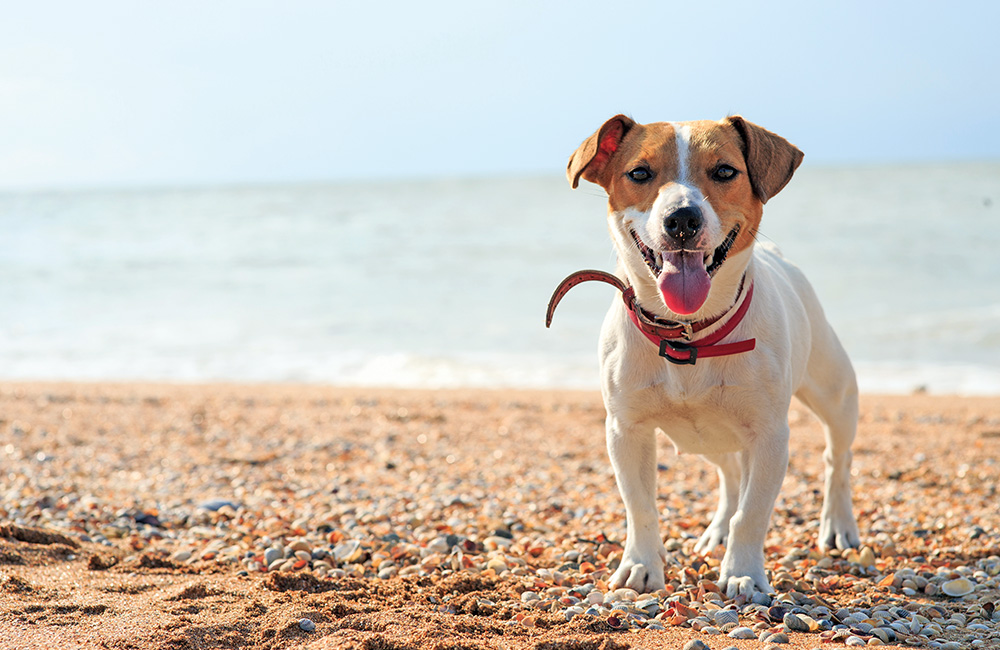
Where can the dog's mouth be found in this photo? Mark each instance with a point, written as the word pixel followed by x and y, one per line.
pixel 684 278
pixel 713 259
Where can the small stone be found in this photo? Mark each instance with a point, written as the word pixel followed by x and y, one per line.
pixel 742 633
pixel 214 505
pixel 779 637
pixel 695 644
pixel 854 641
pixel 866 557
pixel 300 545
pixel 271 555
pixel 307 625
pixel 495 542
pixel 349 551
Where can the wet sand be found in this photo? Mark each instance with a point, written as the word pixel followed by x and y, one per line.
pixel 163 516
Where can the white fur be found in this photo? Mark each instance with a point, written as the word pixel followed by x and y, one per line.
pixel 732 410
pixel 682 136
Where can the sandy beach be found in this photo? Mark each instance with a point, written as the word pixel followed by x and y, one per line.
pixel 253 516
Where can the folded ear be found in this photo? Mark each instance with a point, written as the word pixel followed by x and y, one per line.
pixel 595 152
pixel 771 160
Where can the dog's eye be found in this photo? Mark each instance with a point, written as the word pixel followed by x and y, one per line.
pixel 640 174
pixel 724 173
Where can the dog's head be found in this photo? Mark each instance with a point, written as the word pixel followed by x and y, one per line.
pixel 684 199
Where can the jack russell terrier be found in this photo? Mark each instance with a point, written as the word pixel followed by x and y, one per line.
pixel 713 337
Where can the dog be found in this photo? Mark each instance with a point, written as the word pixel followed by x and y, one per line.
pixel 715 334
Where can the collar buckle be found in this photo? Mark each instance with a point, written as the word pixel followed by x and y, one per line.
pixel 679 348
pixel 688 333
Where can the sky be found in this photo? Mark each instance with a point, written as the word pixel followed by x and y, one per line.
pixel 137 94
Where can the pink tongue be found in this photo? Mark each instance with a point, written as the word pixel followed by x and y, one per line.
pixel 684 282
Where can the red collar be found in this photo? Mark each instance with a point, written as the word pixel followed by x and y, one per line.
pixel 672 338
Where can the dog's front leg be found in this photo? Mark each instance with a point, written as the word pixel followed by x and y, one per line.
pixel 633 456
pixel 765 462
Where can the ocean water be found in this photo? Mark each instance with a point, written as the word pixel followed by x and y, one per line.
pixel 444 283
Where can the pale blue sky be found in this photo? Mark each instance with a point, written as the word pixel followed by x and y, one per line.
pixel 132 93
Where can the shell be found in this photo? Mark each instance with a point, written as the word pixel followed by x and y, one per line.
pixel 794 623
pixel 884 633
pixel 958 587
pixel 724 616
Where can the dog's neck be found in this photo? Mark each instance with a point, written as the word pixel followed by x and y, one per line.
pixel 726 284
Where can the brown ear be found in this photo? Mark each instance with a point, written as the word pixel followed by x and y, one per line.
pixel 595 152
pixel 771 160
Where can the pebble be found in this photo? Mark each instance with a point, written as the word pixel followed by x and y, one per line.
pixel 695 644
pixel 307 625
pixel 271 555
pixel 898 587
pixel 214 505
pixel 742 633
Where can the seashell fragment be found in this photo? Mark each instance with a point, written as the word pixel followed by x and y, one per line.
pixel 958 587
pixel 723 616
pixel 795 624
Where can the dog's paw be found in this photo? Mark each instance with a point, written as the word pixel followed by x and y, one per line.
pixel 744 586
pixel 735 581
pixel 714 536
pixel 644 574
pixel 838 532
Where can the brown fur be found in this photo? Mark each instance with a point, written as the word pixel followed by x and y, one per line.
pixel 765 161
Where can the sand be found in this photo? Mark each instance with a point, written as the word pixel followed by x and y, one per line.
pixel 139 516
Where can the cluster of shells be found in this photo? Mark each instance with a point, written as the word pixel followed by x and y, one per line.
pixel 912 606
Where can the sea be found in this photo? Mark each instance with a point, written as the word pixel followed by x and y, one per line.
pixel 444 282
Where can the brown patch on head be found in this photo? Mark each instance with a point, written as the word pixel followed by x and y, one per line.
pixel 592 156
pixel 763 161
pixel 619 147
pixel 771 160
pixel 652 147
pixel 713 146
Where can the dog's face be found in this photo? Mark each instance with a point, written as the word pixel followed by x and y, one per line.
pixel 683 198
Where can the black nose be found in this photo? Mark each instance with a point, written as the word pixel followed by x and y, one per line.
pixel 683 224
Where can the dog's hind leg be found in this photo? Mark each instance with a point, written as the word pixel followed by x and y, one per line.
pixel 729 497
pixel 831 392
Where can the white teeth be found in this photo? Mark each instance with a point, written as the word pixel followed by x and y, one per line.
pixel 647 255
